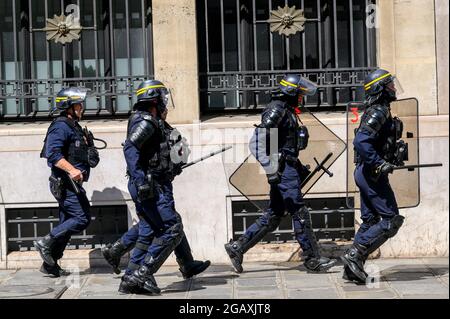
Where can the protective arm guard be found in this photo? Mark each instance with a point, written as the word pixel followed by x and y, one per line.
pixel 142 132
pixel 374 119
pixel 272 117
pixel 261 143
pixel 371 123
pixel 138 136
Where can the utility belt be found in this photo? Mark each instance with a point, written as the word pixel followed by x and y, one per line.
pixel 60 185
pixel 394 153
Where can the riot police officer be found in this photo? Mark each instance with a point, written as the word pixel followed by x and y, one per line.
pixel 149 153
pixel 377 153
pixel 285 193
pixel 70 158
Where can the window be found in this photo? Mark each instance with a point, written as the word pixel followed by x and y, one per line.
pixel 241 60
pixel 111 58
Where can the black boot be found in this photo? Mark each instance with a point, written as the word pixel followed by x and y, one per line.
pixel 143 279
pixel 354 260
pixel 44 247
pixel 113 253
pixel 319 264
pixel 349 276
pixel 56 271
pixel 236 254
pixel 192 268
pixel 128 287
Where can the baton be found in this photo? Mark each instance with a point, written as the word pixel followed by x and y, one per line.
pixel 206 157
pixel 413 167
pixel 319 167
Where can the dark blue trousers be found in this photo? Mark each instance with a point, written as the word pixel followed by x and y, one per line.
pixel 285 197
pixel 74 217
pixel 378 205
pixel 158 223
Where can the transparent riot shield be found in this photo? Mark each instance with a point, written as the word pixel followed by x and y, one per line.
pixel 324 148
pixel 405 183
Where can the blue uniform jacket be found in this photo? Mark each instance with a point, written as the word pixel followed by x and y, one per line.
pixel 59 138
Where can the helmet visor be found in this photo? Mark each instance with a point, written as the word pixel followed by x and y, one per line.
pixel 307 87
pixel 395 86
pixel 166 97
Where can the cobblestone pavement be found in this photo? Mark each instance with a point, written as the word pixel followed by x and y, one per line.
pixel 399 278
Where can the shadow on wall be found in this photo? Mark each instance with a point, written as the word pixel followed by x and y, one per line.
pixel 110 224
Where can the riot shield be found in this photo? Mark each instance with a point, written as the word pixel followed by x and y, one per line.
pixel 405 183
pixel 324 148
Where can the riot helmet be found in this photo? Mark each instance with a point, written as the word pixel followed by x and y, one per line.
pixel 153 92
pixel 381 84
pixel 294 85
pixel 67 97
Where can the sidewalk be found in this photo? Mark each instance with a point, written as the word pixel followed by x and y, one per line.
pixel 400 278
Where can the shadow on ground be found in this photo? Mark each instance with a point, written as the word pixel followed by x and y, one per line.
pixel 413 272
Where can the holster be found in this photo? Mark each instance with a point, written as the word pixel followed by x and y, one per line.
pixel 57 187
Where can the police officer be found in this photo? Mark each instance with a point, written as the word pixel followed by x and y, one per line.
pixel 375 147
pixel 70 159
pixel 285 180
pixel 152 165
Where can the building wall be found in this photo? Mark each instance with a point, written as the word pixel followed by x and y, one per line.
pixel 442 9
pixel 202 192
pixel 409 45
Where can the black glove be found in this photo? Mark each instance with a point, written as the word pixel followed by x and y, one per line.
pixel 145 192
pixel 177 169
pixel 385 169
pixel 274 179
pixel 304 172
pixel 93 157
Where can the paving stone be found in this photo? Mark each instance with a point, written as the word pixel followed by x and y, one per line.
pixel 313 281
pixel 6 274
pixel 30 291
pixel 256 274
pixel 213 293
pixel 425 296
pixel 377 294
pixel 256 282
pixel 312 294
pixel 411 288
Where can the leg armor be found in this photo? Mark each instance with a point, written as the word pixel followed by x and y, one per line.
pixel 188 266
pixel 143 277
pixel 236 250
pixel 353 261
pixel 392 229
pixel 305 236
pixel 113 253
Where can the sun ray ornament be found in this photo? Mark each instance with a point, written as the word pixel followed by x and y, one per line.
pixel 63 29
pixel 287 20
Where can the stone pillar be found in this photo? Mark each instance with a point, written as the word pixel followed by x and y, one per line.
pixel 442 54
pixel 386 35
pixel 175 55
pixel 407 47
pixel 3 237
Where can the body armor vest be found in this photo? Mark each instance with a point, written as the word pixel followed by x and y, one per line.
pixel 77 151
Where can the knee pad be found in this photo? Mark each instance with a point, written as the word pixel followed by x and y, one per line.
pixel 303 215
pixel 394 225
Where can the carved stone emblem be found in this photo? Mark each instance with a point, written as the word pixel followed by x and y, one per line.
pixel 287 21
